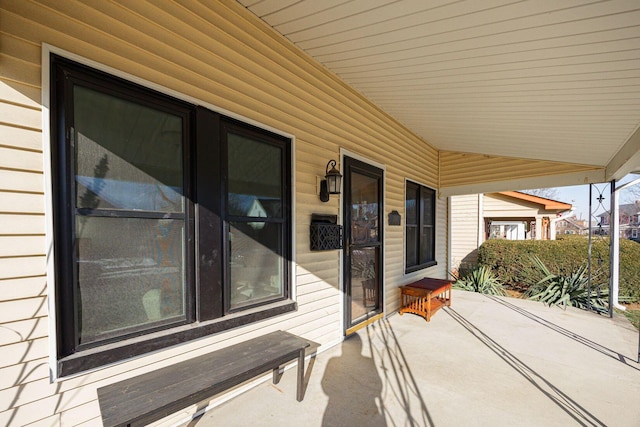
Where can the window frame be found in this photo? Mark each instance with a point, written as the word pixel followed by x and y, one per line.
pixel 236 127
pixel 204 215
pixel 422 190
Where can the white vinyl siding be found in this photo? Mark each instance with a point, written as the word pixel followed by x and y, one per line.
pixel 464 229
pixel 500 206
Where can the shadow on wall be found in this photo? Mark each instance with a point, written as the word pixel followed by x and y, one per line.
pixel 470 260
pixel 467 263
pixel 16 382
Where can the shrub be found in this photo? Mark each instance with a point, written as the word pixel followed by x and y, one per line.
pixel 511 260
pixel 479 279
pixel 571 289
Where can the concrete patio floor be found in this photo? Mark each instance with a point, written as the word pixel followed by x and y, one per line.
pixel 485 361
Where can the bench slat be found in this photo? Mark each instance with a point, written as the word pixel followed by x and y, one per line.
pixel 174 387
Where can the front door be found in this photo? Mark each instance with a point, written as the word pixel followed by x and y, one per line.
pixel 362 219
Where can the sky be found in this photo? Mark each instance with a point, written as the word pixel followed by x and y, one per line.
pixel 578 196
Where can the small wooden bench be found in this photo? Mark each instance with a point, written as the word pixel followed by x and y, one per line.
pixel 154 395
pixel 425 296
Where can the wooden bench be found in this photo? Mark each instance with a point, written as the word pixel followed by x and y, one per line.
pixel 425 296
pixel 154 395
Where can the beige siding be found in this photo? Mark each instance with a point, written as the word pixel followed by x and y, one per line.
pixel 468 213
pixel 499 206
pixel 464 229
pixel 460 169
pixel 217 54
pixel 394 254
pixel 23 373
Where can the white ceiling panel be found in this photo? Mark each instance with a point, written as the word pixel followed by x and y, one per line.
pixel 537 79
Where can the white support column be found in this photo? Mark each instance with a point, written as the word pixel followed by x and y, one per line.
pixel 538 227
pixel 614 255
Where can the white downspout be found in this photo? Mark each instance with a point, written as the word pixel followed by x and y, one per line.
pixel 481 230
pixel 449 239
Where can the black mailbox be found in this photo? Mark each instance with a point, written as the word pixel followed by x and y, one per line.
pixel 326 233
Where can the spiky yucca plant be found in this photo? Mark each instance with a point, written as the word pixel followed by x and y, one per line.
pixel 479 279
pixel 564 290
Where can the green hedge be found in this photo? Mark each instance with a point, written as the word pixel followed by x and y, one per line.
pixel 511 261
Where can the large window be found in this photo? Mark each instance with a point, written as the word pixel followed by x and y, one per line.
pixel 167 216
pixel 420 227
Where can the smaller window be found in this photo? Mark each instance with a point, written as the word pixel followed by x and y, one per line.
pixel 420 212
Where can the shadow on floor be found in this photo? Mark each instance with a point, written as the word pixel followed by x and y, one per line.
pixel 580 414
pixel 398 375
pixel 373 364
pixel 352 406
pixel 567 333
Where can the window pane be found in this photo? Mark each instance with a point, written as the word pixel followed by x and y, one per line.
pixel 256 266
pixel 426 245
pixel 420 227
pixel 123 288
pixel 427 206
pixel 411 206
pixel 412 246
pixel 255 178
pixel 128 156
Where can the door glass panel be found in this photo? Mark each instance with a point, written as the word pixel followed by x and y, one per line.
pixel 364 281
pixel 364 209
pixel 132 286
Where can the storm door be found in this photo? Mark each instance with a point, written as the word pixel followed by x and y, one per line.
pixel 362 219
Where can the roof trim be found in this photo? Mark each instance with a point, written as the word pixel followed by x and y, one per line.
pixel 626 160
pixel 522 183
pixel 547 203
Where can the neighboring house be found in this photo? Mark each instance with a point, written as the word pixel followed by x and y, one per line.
pixel 510 215
pixel 572 225
pixel 159 168
pixel 629 224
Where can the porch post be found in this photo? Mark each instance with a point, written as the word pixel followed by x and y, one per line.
pixel 614 248
pixel 538 227
pixel 552 228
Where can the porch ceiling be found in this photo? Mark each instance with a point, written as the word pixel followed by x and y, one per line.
pixel 546 80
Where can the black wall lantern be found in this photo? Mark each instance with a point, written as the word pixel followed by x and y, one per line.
pixel 332 182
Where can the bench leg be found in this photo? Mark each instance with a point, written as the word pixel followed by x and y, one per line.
pixel 300 391
pixel 277 374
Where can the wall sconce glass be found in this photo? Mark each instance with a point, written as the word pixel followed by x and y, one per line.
pixel 332 182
